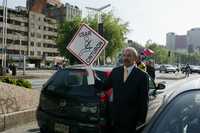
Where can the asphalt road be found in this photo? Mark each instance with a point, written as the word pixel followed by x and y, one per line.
pixel 33 128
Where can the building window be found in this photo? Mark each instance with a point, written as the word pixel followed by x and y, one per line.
pixel 24 43
pixel 22 52
pixel 39 35
pixel 39 53
pixel 16 42
pixel 32 44
pixel 32 34
pixel 38 44
pixel 32 53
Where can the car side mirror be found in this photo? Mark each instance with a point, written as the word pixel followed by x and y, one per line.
pixel 160 86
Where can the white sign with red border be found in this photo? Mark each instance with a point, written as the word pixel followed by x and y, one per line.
pixel 87 44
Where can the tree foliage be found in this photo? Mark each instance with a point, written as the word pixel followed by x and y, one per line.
pixel 162 56
pixel 114 32
pixel 66 31
pixel 161 53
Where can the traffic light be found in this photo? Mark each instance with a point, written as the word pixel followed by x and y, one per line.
pixel 169 53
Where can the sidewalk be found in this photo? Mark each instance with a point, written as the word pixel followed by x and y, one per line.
pixel 171 76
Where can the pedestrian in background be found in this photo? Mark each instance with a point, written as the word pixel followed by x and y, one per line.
pixel 187 70
pixel 150 69
pixel 130 94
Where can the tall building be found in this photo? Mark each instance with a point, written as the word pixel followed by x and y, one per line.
pixel 193 37
pixel 30 34
pixel 170 40
pixel 180 42
pixel 184 43
pixel 54 9
pixel 71 11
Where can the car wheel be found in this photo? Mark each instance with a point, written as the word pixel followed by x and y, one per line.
pixel 160 71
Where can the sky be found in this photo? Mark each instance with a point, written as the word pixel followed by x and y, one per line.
pixel 148 19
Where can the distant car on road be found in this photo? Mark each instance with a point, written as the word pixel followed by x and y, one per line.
pixel 167 68
pixel 194 69
pixel 69 101
pixel 157 67
pixel 178 113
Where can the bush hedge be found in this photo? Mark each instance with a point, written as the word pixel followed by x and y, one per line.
pixel 18 82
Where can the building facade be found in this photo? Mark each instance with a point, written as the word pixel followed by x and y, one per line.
pixel 193 38
pixel 184 43
pixel 54 9
pixel 170 40
pixel 181 42
pixel 29 34
pixel 71 11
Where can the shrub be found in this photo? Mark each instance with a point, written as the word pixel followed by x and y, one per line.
pixel 24 83
pixel 9 80
pixel 19 82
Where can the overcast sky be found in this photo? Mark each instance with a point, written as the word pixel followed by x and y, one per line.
pixel 149 19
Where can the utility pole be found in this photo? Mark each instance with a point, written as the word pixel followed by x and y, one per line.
pixel 4 39
pixel 100 23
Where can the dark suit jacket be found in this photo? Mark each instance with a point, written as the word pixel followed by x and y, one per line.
pixel 130 98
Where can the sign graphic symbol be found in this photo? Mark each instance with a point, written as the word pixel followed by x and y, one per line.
pixel 87 46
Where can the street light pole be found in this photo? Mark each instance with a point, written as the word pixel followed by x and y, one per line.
pixel 100 23
pixel 6 14
pixel 4 39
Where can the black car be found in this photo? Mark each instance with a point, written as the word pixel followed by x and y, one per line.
pixel 70 103
pixel 178 112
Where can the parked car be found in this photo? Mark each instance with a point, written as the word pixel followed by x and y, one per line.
pixel 69 101
pixel 157 67
pixel 178 112
pixel 167 68
pixel 194 69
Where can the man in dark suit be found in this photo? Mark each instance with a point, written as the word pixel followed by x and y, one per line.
pixel 130 94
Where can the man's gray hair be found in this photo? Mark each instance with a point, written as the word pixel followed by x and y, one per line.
pixel 135 53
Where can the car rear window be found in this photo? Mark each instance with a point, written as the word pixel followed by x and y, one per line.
pixel 70 82
pixel 68 78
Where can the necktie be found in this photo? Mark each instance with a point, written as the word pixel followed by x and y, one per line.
pixel 125 73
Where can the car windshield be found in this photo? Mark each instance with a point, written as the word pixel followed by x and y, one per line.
pixel 180 116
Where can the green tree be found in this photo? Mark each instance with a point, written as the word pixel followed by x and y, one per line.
pixel 114 32
pixel 161 53
pixel 66 31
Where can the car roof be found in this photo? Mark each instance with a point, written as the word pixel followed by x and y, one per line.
pixel 82 66
pixel 185 87
pixel 168 96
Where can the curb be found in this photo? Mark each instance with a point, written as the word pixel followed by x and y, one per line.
pixel 10 120
pixel 171 78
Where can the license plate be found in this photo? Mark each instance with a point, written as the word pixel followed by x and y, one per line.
pixel 61 128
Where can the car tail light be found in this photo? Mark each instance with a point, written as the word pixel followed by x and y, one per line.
pixel 107 74
pixel 103 103
pixel 103 97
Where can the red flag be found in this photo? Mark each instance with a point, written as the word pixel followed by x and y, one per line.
pixel 148 52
